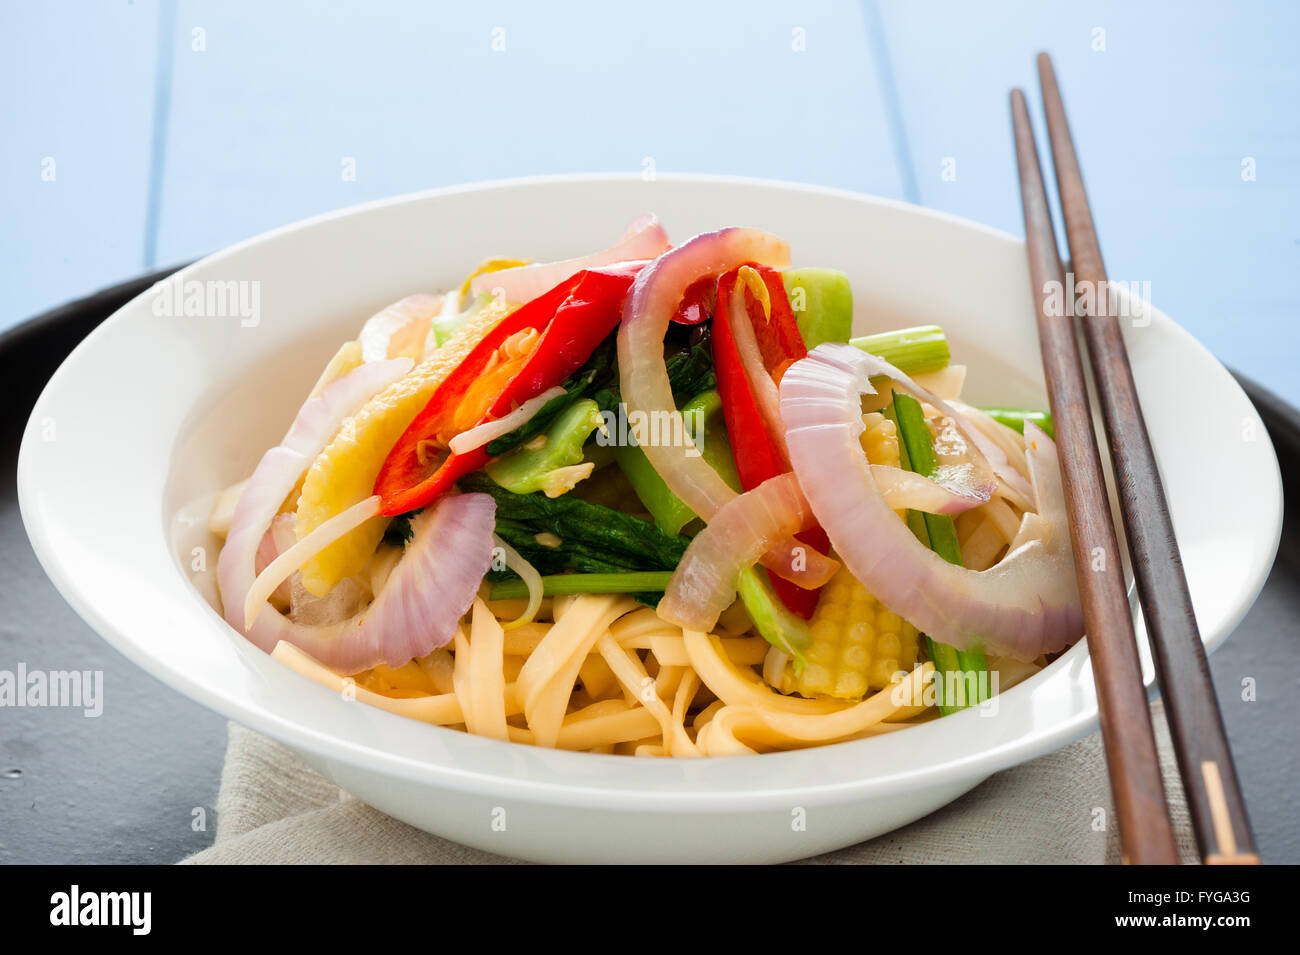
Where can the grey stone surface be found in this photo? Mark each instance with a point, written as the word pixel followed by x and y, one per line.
pixel 123 787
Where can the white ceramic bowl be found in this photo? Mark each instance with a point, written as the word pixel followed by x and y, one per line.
pixel 152 414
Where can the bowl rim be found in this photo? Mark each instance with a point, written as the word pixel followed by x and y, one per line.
pixel 587 793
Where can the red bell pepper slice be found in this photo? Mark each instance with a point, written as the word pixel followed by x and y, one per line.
pixel 573 318
pixel 697 302
pixel 758 456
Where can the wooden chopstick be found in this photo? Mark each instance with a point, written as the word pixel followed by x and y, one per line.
pixel 1196 726
pixel 1145 829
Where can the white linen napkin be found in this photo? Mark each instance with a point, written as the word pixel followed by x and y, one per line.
pixel 273 808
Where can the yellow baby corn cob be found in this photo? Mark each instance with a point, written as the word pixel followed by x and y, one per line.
pixel 879 439
pixel 857 644
pixel 345 472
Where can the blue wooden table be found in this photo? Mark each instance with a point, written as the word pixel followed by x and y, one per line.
pixel 138 134
pixel 143 133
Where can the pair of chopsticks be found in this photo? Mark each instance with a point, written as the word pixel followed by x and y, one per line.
pixel 1196 725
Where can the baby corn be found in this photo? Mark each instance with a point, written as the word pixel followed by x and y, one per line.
pixel 857 644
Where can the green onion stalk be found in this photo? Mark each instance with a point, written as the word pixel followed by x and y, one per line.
pixel 963 668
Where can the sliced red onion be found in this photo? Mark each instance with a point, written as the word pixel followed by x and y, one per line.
pixel 649 308
pixel 481 434
pixel 427 592
pixel 267 550
pixel 290 559
pixel 1011 444
pixel 278 538
pixel 646 313
pixel 400 328
pixel 743 529
pixel 644 239
pixel 1025 605
pixel 1016 488
pixel 321 416
pixel 951 491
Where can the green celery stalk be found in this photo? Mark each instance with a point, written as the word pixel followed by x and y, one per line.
pixel 913 351
pixel 556 585
pixel 939 533
pixel 1015 418
pixel 702 414
pixel 822 300
pixel 777 625
pixel 705 424
pixel 786 631
pixel 668 510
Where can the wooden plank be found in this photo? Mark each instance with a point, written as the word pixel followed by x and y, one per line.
pixel 1167 113
pixel 266 115
pixel 78 120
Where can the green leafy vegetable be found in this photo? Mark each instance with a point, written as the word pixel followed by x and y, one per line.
pixel 669 511
pixel 597 371
pixel 588 538
pixel 399 530
pixel 690 370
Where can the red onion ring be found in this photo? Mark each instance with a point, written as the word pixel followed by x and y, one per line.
pixel 649 308
pixel 646 313
pixel 426 594
pixel 952 491
pixel 1025 605
pixel 743 529
pixel 644 239
pixel 1017 489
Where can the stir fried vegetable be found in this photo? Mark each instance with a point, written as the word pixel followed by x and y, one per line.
pixel 591 380
pixel 524 415
pixel 551 462
pixel 558 585
pixel 534 348
pixel 1015 418
pixel 568 533
pixel 703 422
pixel 913 351
pixel 856 644
pixel 758 451
pixel 916 451
pixel 776 623
pixel 822 302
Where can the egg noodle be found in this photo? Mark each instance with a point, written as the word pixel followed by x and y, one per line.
pixel 606 675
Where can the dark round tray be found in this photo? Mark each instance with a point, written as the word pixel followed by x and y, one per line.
pixel 126 786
